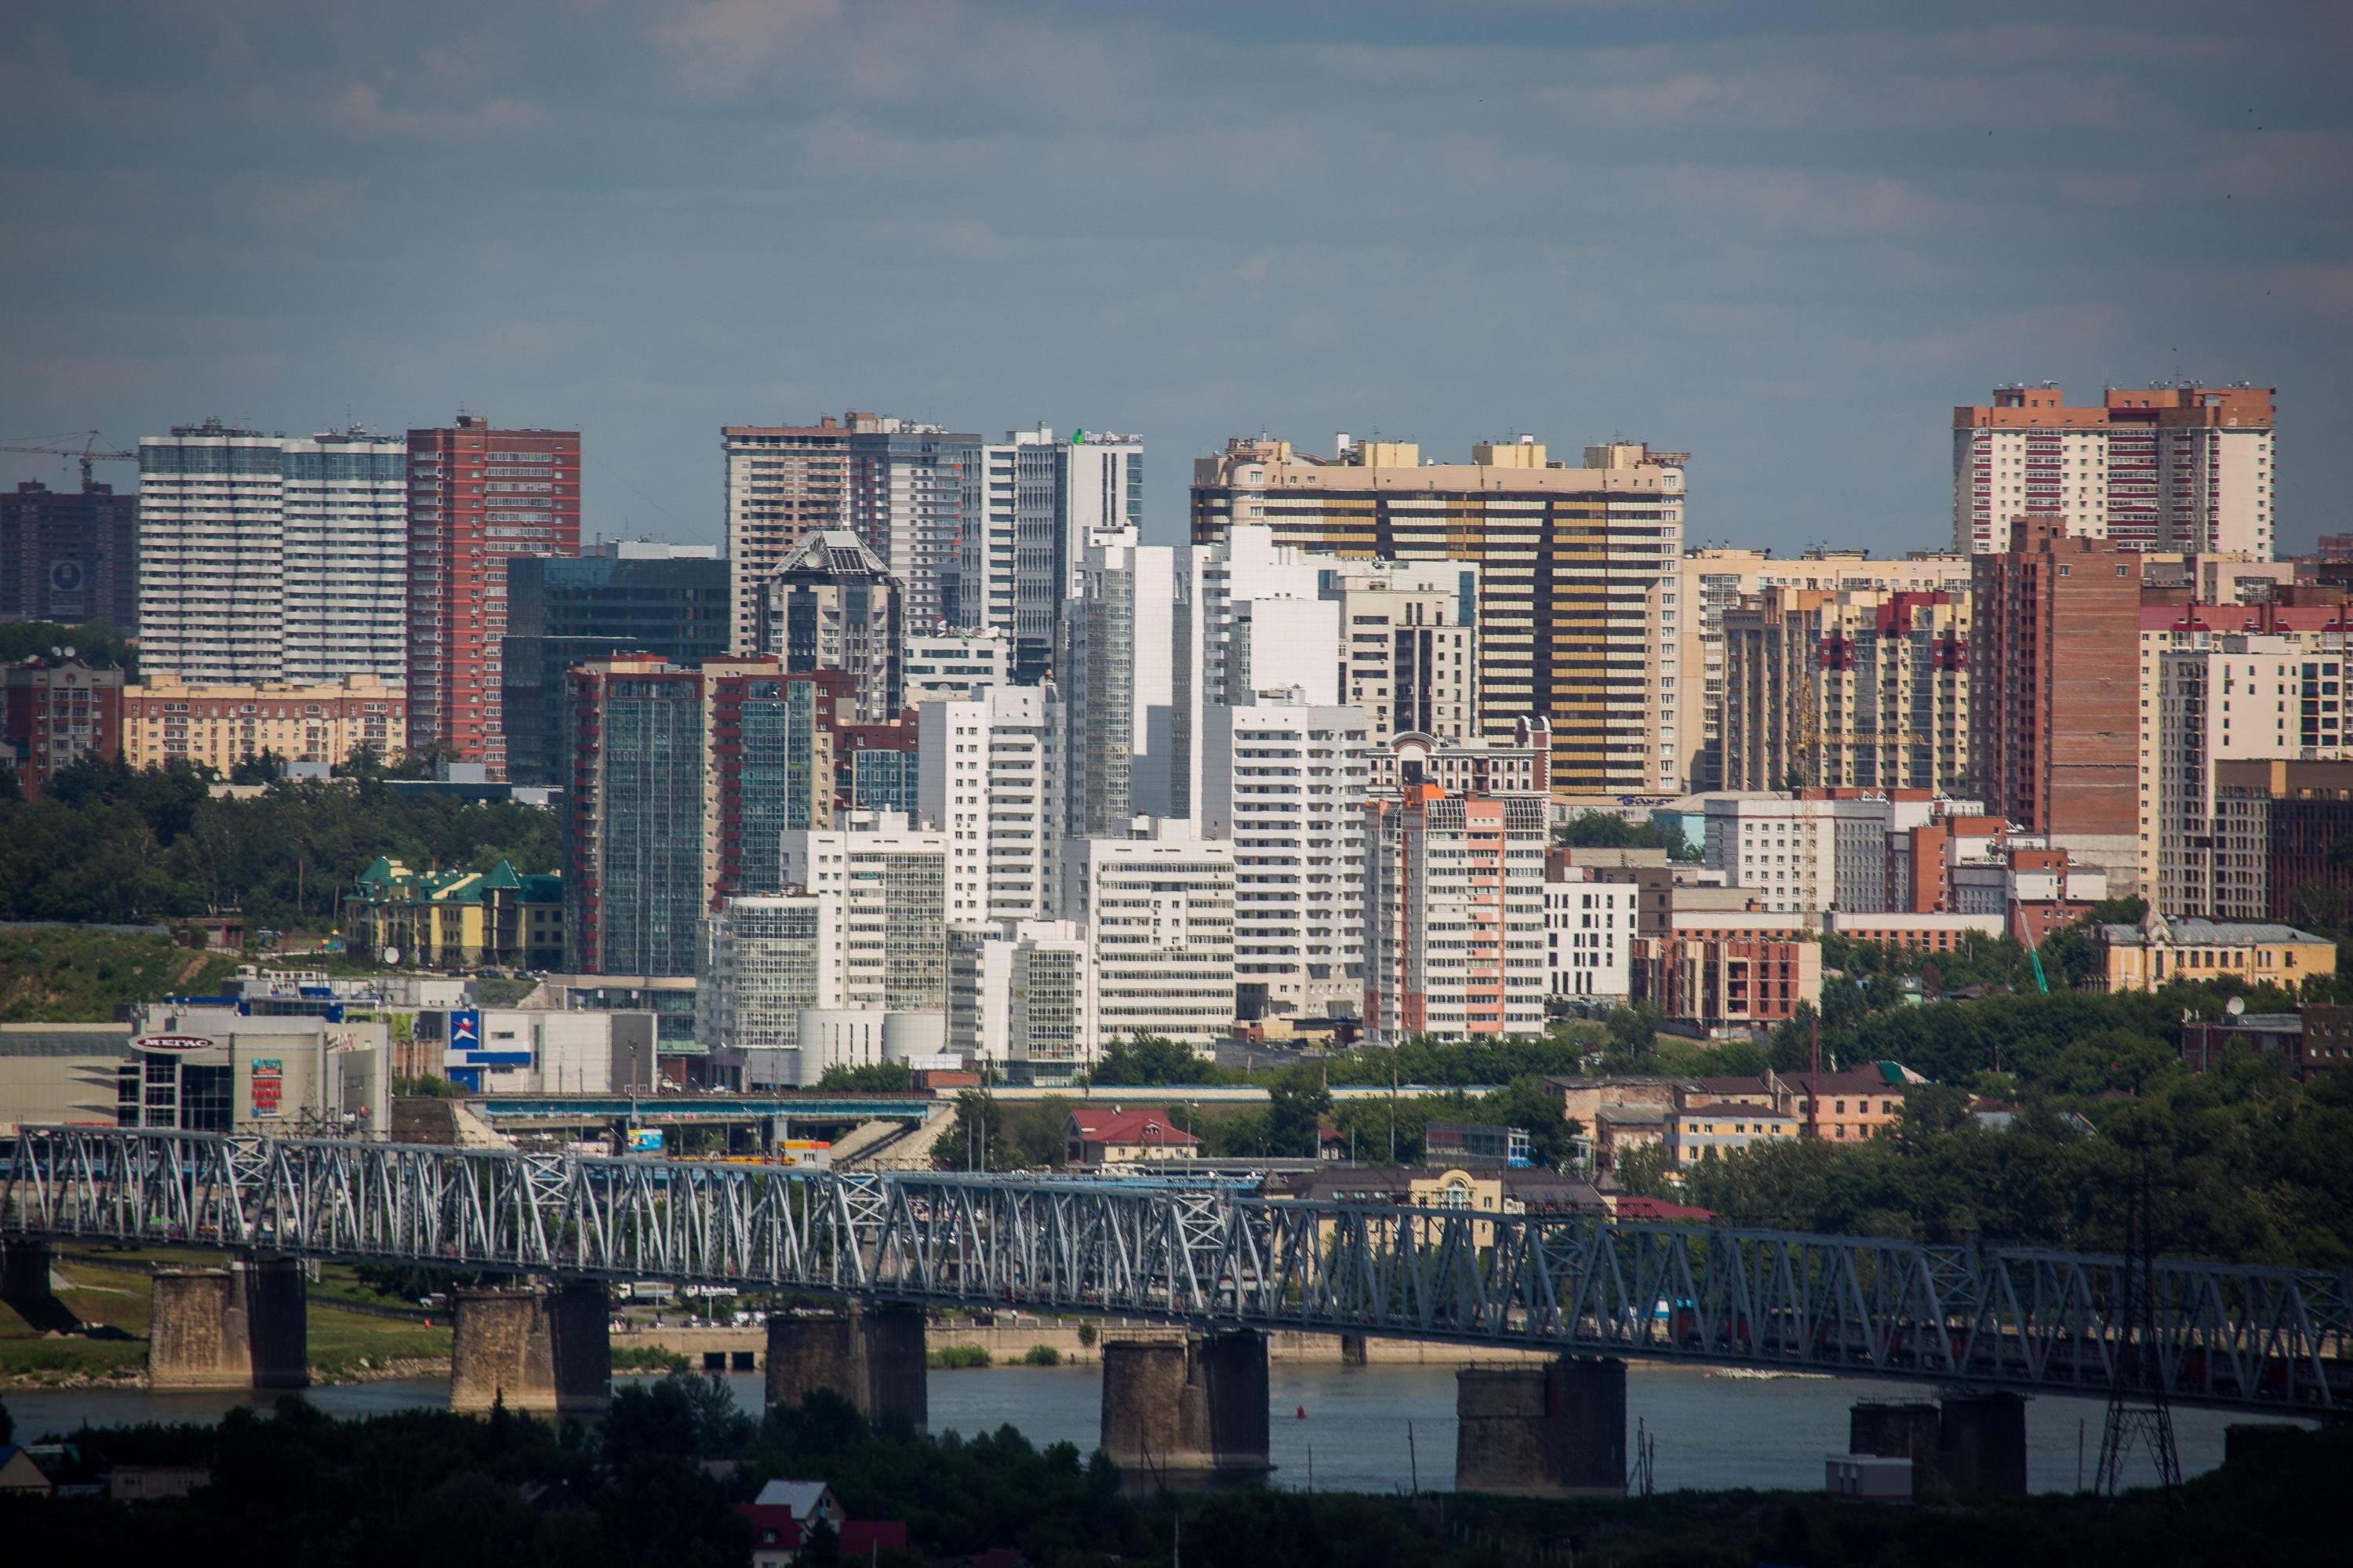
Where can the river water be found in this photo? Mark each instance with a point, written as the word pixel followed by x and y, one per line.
pixel 1377 1428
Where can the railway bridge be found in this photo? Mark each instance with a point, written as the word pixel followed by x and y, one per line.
pixel 1980 1328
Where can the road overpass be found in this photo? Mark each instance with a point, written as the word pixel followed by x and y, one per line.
pixel 1220 1268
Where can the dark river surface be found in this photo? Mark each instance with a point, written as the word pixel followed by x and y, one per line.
pixel 1364 1429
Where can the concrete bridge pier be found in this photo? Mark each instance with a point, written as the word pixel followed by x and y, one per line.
pixel 25 1286
pixel 1966 1446
pixel 1556 1430
pixel 1186 1407
pixel 246 1326
pixel 871 1356
pixel 1351 1351
pixel 541 1349
pixel 1983 1445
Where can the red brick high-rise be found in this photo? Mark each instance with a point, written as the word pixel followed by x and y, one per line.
pixel 476 495
pixel 2054 692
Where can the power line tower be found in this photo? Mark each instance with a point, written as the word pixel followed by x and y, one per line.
pixel 2137 1409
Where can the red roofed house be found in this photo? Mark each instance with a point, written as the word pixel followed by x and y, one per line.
pixel 1105 1135
pixel 785 1511
pixel 1632 1206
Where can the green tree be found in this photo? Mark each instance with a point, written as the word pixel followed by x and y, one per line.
pixel 868 1078
pixel 1295 1104
pixel 1643 1169
pixel 1152 1059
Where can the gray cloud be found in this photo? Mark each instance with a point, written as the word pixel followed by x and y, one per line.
pixel 1787 237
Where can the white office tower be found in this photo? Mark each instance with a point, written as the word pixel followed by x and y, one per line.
pixel 890 883
pixel 1804 855
pixel 1120 691
pixel 989 778
pixel 271 558
pixel 765 958
pixel 1284 782
pixel 1033 505
pixel 1019 998
pixel 944 666
pixel 1158 913
pixel 1588 933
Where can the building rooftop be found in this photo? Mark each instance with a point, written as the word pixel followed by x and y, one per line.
pixel 2193 932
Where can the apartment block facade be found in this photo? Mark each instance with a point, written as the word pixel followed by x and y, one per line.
pixel 1856 688
pixel 990 774
pixel 783 483
pixel 52 712
pixel 166 719
pixel 1158 916
pixel 2054 713
pixel 1573 562
pixel 832 604
pixel 266 558
pixel 1285 786
pixel 1455 939
pixel 69 556
pixel 2279 831
pixel 2185 468
pixel 477 497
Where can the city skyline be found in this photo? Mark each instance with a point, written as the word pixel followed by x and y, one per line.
pixel 1839 222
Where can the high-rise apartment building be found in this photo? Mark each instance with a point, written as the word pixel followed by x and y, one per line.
pixel 266 558
pixel 952 664
pixel 1033 505
pixel 907 487
pixel 834 605
pixel 477 496
pixel 1120 687
pixel 890 880
pixel 1158 915
pixel 1017 997
pixel 1816 853
pixel 1410 654
pixel 2228 698
pixel 989 777
pixel 766 956
pixel 1283 783
pixel 2184 468
pixel 1571 561
pixel 636 750
pixel 669 600
pixel 783 483
pixel 1849 688
pixel 69 556
pixel 1713 579
pixel 1455 940
pixel 2054 694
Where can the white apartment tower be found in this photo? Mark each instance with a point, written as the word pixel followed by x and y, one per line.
pixel 990 779
pixel 1033 504
pixel 1807 855
pixel 267 558
pixel 1588 936
pixel 1283 783
pixel 2183 467
pixel 766 958
pixel 1159 914
pixel 889 881
pixel 1018 997
pixel 2218 698
pixel 1118 667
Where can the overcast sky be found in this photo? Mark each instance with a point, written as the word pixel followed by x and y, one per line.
pixel 1786 237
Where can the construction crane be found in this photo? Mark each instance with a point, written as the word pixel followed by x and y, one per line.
pixel 87 452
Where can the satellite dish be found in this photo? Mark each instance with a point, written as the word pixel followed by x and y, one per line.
pixel 392 955
pixel 2236 1007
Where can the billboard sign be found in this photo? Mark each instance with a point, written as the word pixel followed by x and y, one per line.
pixel 644 1140
pixel 466 1030
pixel 268 1085
pixel 173 1043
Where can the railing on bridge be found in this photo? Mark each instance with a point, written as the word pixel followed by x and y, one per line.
pixel 2014 1318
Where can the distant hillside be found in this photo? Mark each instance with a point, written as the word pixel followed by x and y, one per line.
pixel 72 974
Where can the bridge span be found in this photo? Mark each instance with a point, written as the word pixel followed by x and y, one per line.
pixel 1205 1258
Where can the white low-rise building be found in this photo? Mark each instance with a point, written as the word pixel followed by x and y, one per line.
pixel 1020 998
pixel 1159 914
pixel 1588 926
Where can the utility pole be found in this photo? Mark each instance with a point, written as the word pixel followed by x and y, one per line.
pixel 2137 1409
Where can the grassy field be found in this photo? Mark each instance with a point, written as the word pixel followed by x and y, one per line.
pixel 341 1343
pixel 71 974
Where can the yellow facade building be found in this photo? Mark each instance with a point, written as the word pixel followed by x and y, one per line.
pixel 2144 957
pixel 220 727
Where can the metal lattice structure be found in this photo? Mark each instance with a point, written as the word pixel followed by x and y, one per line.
pixel 2226 1335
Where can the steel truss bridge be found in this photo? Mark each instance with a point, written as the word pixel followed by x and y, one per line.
pixel 1988 1318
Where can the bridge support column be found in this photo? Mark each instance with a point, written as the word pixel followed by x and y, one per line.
pixel 25 1286
pixel 1185 1406
pixel 1351 1351
pixel 544 1351
pixel 872 1357
pixel 241 1327
pixel 1983 1446
pixel 1911 1431
pixel 1557 1430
